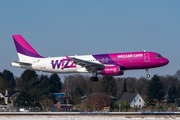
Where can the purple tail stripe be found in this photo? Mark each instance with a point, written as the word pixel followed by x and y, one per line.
pixel 24 51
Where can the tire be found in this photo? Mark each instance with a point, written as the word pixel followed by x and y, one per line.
pixel 94 79
pixel 148 76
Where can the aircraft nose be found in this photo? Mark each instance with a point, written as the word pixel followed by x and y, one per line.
pixel 165 61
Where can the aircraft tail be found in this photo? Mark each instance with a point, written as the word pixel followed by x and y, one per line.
pixel 24 50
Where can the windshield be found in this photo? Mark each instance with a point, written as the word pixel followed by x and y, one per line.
pixel 158 56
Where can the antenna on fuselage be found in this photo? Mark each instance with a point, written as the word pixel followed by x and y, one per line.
pixel 144 50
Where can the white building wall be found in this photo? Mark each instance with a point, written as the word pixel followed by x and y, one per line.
pixel 1 96
pixel 137 101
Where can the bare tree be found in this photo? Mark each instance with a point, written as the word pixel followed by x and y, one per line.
pixel 131 84
pixel 18 82
pixel 120 82
pixel 141 85
pixel 46 103
pixel 167 80
pixel 99 100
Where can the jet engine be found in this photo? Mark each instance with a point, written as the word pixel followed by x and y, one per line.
pixel 112 70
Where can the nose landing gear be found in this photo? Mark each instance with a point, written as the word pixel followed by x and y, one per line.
pixel 148 76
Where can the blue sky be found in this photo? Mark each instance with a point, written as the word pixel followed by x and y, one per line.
pixel 58 28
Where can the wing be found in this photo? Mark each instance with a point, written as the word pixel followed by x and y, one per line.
pixel 90 66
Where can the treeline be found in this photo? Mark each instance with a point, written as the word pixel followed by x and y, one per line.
pixel 7 81
pixel 151 90
pixel 37 90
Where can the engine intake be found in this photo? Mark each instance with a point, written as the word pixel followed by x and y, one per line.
pixel 112 70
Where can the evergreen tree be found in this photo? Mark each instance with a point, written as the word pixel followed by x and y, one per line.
pixel 124 87
pixel 24 98
pixel 114 105
pixel 9 78
pixel 125 105
pixel 172 92
pixel 3 85
pixel 2 102
pixel 109 85
pixel 34 89
pixel 154 90
pixel 56 81
pixel 45 80
pixel 178 91
pixel 27 75
pixel 27 94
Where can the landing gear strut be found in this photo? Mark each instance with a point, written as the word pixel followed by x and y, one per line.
pixel 148 76
pixel 94 78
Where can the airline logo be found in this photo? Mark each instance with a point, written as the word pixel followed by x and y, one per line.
pixel 64 63
pixel 130 55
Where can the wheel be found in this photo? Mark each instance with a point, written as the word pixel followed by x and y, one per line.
pixel 148 76
pixel 94 79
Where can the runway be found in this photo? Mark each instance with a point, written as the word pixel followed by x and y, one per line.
pixel 89 116
pixel 100 117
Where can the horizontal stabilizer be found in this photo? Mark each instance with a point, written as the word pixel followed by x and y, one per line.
pixel 19 62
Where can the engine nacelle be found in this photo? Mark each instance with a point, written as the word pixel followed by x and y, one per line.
pixel 112 70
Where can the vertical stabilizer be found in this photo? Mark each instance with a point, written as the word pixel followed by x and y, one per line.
pixel 24 50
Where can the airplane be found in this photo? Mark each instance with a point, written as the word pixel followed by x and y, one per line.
pixel 113 64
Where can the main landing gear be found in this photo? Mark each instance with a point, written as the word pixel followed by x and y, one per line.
pixel 94 78
pixel 148 76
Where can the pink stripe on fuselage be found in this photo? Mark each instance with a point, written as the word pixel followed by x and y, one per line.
pixel 23 43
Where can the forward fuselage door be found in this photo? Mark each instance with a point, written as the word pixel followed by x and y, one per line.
pixel 146 57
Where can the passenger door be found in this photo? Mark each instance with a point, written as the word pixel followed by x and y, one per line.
pixel 146 57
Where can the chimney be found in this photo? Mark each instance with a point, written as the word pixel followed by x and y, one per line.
pixel 6 92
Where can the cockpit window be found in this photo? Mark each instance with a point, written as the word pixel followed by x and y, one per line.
pixel 158 56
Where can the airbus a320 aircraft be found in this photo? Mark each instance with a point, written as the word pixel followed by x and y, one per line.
pixel 106 64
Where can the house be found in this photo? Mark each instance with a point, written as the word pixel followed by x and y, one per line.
pixel 96 101
pixel 134 99
pixel 96 94
pixel 9 95
pixel 62 101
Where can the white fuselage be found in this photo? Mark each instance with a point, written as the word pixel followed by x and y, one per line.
pixel 55 64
